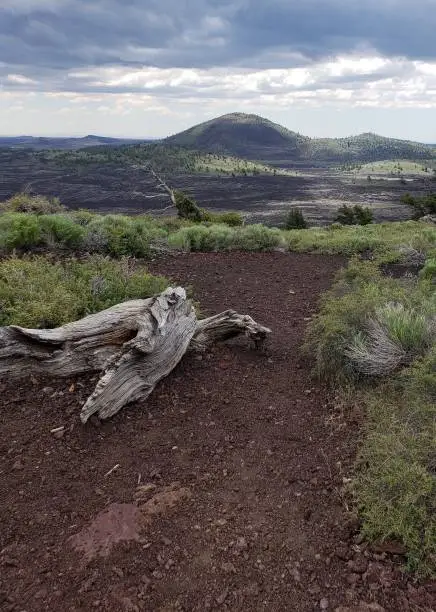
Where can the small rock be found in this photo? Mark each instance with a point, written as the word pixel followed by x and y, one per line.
pixel 241 544
pixel 358 565
pixel 228 568
pixel 342 552
pixel 353 579
pixel 18 465
pixel 296 574
pixel 221 598
pixel 119 572
pixel 324 604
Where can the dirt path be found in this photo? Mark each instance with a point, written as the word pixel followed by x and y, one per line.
pixel 227 490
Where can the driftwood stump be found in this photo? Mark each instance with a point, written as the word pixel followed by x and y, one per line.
pixel 134 344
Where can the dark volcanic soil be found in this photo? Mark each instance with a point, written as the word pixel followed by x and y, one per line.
pixel 222 492
pixel 114 188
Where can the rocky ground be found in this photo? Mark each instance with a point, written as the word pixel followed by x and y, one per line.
pixel 226 490
pixel 114 188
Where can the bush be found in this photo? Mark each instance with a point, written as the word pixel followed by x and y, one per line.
pixel 429 270
pixel 424 205
pixel 19 231
pixel 202 238
pixel 375 325
pixel 295 219
pixel 364 216
pixel 354 215
pixel 258 238
pixel 118 235
pixel 35 292
pixel 36 204
pixel 232 219
pixel 59 230
pixel 187 207
pixel 222 238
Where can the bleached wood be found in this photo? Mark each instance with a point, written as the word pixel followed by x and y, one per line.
pixel 134 344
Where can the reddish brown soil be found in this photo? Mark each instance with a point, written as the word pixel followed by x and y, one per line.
pixel 227 487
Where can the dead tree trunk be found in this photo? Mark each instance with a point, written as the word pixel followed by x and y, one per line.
pixel 134 344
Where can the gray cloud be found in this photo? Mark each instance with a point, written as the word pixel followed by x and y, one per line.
pixel 45 39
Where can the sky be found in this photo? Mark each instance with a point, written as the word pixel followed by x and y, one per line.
pixel 150 68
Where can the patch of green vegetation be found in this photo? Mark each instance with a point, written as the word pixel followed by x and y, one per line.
pixel 225 238
pixel 295 219
pixel 395 168
pixel 423 205
pixel 163 157
pixel 396 483
pixel 354 215
pixel 38 292
pixel 379 333
pixel 36 204
pixel 382 240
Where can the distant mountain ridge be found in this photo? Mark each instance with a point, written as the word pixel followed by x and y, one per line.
pixel 254 137
pixel 67 143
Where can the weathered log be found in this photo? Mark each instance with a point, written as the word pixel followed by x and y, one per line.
pixel 134 344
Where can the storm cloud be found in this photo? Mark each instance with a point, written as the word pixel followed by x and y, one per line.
pixel 120 56
pixel 62 35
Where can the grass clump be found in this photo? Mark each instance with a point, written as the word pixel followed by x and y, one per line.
pixel 394 336
pixel 37 292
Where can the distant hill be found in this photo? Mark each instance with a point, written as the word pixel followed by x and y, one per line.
pixel 243 135
pixel 43 142
pixel 254 137
pixel 368 147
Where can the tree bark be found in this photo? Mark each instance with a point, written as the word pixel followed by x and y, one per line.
pixel 134 344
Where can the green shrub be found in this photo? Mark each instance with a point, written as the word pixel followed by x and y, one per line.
pixel 35 204
pixel 295 219
pixel 222 237
pixel 82 216
pixel 19 231
pixel 355 321
pixel 202 238
pixel 421 205
pixel 120 235
pixel 60 230
pixel 258 238
pixel 372 324
pixel 187 207
pixel 429 270
pixel 353 215
pixel 232 219
pixel 36 292
pixel 396 486
pixel 363 216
